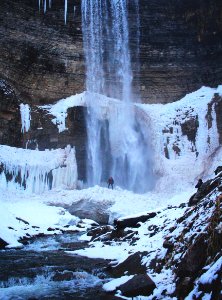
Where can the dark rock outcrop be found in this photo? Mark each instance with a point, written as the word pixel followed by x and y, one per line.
pixel 204 190
pixel 132 265
pixel 133 221
pixel 10 120
pixel 3 244
pixel 180 47
pixel 140 284
pixel 40 55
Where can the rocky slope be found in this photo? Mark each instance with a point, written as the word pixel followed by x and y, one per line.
pixel 190 266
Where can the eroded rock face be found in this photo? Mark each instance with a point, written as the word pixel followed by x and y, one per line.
pixel 180 48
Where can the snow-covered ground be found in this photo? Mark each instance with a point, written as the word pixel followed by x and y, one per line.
pixel 25 214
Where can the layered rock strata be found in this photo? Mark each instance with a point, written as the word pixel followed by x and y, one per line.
pixel 180 48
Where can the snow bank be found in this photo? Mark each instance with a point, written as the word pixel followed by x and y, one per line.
pixel 21 217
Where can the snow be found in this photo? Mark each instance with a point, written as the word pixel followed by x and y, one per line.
pixel 23 217
pixel 59 110
pixel 115 283
pixel 175 185
pixel 211 275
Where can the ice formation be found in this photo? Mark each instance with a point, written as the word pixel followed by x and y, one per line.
pixel 65 11
pixel 173 152
pixel 37 171
pixel 43 3
pixel 25 117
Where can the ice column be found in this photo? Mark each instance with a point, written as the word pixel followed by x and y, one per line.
pixel 25 117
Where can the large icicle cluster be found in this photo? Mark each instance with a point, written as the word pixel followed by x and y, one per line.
pixel 37 171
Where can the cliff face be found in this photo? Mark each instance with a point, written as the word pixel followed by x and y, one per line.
pixel 42 60
pixel 180 48
pixel 40 56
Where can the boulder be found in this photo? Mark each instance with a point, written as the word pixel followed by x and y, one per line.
pixel 194 259
pixel 3 244
pixel 218 170
pixel 204 190
pixel 140 284
pixel 133 221
pixel 63 276
pixel 132 265
pixel 89 209
pixel 99 231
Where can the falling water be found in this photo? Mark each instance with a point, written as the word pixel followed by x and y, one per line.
pixel 117 145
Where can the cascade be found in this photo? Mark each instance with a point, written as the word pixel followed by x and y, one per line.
pixel 117 144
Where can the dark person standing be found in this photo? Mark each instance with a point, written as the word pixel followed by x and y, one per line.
pixel 110 182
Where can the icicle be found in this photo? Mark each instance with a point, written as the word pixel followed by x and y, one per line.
pixel 39 5
pixel 25 117
pixel 45 7
pixel 74 11
pixel 50 3
pixel 65 11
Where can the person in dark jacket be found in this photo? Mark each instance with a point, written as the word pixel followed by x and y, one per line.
pixel 199 183
pixel 110 182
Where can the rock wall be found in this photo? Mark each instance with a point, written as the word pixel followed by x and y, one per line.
pixel 42 60
pixel 40 56
pixel 10 120
pixel 180 48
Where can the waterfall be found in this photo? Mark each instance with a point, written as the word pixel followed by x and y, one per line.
pixel 117 144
